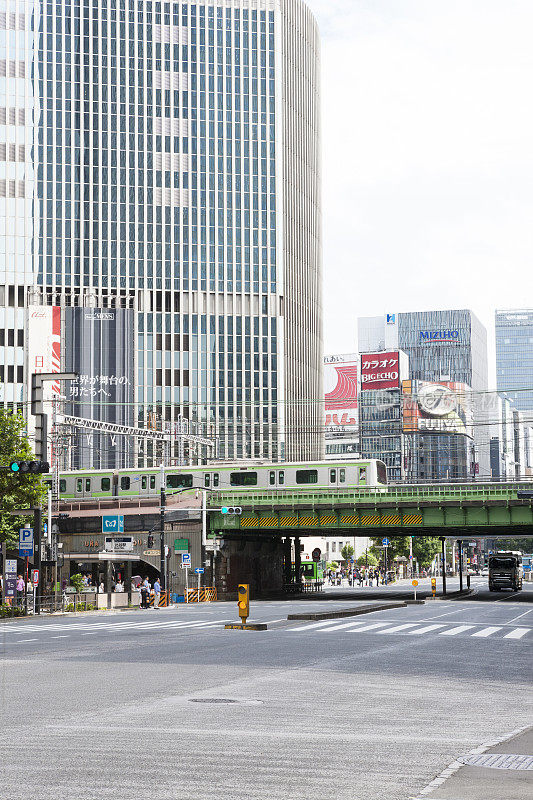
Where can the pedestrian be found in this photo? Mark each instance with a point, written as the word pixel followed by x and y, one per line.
pixel 157 592
pixel 145 592
pixel 101 587
pixel 20 587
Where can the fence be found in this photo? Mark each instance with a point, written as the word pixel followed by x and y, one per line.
pixel 206 594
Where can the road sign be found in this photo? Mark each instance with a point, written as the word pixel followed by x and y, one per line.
pixel 199 570
pixel 35 577
pixel 186 559
pixel 113 523
pixel 26 542
pixel 11 566
pixel 385 542
pixel 316 554
pixel 414 583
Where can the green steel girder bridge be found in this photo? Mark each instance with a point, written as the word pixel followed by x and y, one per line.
pixel 454 510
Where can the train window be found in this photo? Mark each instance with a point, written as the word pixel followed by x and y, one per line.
pixel 79 485
pixel 362 474
pixel 207 478
pixel 62 485
pixel 152 481
pixel 87 484
pixel 243 478
pixel 306 476
pixel 342 476
pixel 124 483
pixel 215 479
pixel 179 481
pixel 144 482
pixel 332 476
pixel 272 478
pixel 105 484
pixel 382 472
pixel 281 477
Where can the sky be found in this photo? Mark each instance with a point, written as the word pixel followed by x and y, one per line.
pixel 427 148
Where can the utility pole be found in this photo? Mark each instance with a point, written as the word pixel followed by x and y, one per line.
pixel 443 543
pixel 162 569
pixel 37 524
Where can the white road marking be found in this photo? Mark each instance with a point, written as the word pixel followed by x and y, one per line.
pixel 482 634
pixel 427 629
pixel 397 628
pixel 62 636
pixel 344 625
pixel 370 627
pixel 27 640
pixel 517 633
pixel 455 631
pixel 313 625
pixel 519 616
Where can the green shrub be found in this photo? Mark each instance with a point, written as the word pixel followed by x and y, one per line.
pixel 11 611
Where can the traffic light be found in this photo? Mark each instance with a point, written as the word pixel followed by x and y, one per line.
pixel 150 541
pixel 231 510
pixel 243 596
pixel 29 467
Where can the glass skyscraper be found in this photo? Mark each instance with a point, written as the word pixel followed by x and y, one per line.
pixel 514 356
pixel 164 157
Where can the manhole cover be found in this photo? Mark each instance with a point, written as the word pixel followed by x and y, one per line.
pixel 498 761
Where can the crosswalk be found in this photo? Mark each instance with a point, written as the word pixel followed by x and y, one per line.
pixel 63 630
pixel 421 628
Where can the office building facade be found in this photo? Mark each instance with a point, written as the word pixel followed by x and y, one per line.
pixel 514 356
pixel 164 158
pixel 443 435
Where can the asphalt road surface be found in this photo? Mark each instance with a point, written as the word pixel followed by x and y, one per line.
pixel 167 704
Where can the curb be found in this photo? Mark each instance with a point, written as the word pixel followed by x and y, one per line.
pixel 353 612
pixel 452 768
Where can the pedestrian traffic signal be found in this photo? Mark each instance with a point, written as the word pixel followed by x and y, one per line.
pixel 29 467
pixel 243 597
pixel 231 510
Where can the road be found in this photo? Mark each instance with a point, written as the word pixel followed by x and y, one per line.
pixel 168 703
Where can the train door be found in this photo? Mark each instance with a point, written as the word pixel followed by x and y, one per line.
pixel 337 477
pixel 147 485
pixel 212 480
pixel 276 479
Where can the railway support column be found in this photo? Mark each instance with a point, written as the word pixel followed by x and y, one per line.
pixel 460 546
pixel 297 561
pixel 443 543
pixel 287 560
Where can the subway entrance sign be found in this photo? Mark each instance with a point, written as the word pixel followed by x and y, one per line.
pixel 113 523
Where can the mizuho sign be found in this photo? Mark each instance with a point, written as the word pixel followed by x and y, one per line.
pixel 439 336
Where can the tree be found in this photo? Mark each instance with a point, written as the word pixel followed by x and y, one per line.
pixel 16 491
pixel 347 552
pixel 424 548
pixel 368 558
pixel 332 565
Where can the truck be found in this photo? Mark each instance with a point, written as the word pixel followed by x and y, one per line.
pixel 505 570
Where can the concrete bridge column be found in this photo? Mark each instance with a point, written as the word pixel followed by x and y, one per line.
pixel 443 543
pixel 287 550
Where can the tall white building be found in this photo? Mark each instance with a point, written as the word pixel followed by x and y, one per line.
pixel 163 157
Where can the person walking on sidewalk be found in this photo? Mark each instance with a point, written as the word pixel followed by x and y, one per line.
pixel 157 592
pixel 145 592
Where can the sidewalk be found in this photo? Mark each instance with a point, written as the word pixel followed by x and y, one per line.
pixel 511 779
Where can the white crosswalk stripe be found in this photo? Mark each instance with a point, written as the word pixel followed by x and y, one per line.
pixel 455 631
pixel 517 633
pixel 483 634
pixel 370 627
pixel 397 628
pixel 126 627
pixel 426 629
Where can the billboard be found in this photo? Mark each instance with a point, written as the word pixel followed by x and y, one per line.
pixel 340 387
pixel 99 345
pixel 43 354
pixel 444 407
pixel 380 370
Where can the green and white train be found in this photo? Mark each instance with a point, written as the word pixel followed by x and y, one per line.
pixel 222 476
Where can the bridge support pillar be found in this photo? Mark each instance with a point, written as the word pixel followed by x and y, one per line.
pixel 460 546
pixel 297 560
pixel 287 565
pixel 443 543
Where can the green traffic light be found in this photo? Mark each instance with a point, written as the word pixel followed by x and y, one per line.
pixel 224 510
pixel 14 466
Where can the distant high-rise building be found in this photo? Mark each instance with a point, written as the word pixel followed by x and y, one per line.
pixel 514 356
pixel 447 352
pixel 163 158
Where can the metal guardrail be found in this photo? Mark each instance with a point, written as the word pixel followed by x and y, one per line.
pixel 416 493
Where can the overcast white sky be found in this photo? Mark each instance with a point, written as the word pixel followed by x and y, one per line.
pixel 427 158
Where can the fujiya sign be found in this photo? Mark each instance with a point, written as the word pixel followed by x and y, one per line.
pixel 439 336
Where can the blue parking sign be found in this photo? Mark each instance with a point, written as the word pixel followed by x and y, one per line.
pixel 26 542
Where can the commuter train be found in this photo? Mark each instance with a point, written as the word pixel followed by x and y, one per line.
pixel 223 476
